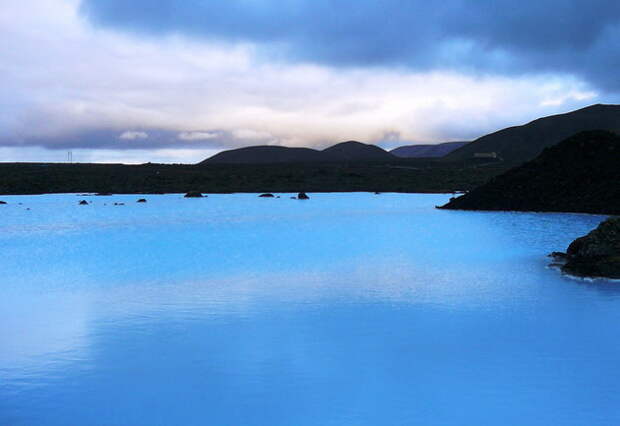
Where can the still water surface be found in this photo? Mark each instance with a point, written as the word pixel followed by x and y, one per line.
pixel 347 309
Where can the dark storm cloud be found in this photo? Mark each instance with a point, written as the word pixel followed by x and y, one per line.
pixel 580 37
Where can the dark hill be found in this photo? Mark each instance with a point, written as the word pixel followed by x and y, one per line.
pixel 580 174
pixel 522 143
pixel 266 154
pixel 357 151
pixel 426 151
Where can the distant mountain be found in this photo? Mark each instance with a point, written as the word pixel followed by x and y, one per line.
pixel 522 143
pixel 267 154
pixel 426 151
pixel 357 151
pixel 581 174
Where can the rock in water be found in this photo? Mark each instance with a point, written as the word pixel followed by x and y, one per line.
pixel 83 203
pixel 2 202
pixel 266 195
pixel 194 194
pixel 141 200
pixel 596 254
pixel 302 196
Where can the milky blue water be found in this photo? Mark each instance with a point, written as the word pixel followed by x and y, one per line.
pixel 346 309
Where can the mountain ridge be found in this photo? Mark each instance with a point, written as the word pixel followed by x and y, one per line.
pixel 580 174
pixel 517 144
pixel 427 150
pixel 271 154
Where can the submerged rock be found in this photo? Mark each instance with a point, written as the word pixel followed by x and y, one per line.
pixel 194 194
pixel 83 203
pixel 141 200
pixel 266 195
pixel 2 202
pixel 596 254
pixel 302 196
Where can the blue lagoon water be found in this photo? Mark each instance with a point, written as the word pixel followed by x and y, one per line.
pixel 347 309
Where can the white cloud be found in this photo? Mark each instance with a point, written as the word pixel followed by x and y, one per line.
pixel 132 135
pixel 60 75
pixel 249 134
pixel 197 136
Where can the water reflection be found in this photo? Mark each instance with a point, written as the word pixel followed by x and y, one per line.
pixel 349 309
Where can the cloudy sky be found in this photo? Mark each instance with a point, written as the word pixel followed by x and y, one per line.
pixel 178 80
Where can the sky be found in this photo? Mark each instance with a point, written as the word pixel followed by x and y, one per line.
pixel 179 80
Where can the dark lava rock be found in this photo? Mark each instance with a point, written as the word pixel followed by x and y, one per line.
pixel 580 174
pixel 194 194
pixel 266 195
pixel 302 196
pixel 2 202
pixel 83 203
pixel 558 255
pixel 596 254
pixel 141 200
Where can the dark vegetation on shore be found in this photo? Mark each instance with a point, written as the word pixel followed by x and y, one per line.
pixel 581 174
pixel 404 175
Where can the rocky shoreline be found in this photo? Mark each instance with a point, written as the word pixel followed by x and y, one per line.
pixel 596 255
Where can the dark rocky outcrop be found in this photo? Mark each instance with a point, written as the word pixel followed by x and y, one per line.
pixel 266 195
pixel 194 194
pixel 302 196
pixel 580 174
pixel 83 203
pixel 2 202
pixel 518 144
pixel 427 150
pixel 141 200
pixel 596 254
